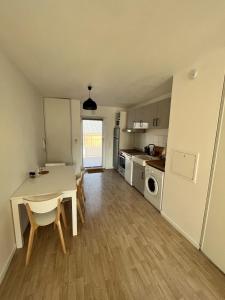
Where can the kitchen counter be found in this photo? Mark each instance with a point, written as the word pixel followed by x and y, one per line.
pixel 158 164
pixel 132 151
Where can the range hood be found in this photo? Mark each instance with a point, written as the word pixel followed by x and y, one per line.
pixel 138 127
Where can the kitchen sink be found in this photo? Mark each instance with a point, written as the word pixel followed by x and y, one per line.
pixel 142 159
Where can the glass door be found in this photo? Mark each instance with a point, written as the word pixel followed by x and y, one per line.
pixel 92 143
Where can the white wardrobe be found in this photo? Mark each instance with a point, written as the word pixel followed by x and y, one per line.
pixel 62 131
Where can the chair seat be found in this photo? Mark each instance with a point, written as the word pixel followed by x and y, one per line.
pixel 46 218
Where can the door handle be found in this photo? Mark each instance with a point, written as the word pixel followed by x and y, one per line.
pixel 142 175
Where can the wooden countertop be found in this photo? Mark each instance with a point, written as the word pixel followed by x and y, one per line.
pixel 132 151
pixel 158 164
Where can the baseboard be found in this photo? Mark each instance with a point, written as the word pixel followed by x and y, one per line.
pixel 180 230
pixel 6 266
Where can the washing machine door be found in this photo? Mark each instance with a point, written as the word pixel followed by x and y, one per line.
pixel 152 185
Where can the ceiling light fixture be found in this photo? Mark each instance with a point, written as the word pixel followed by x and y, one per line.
pixel 89 104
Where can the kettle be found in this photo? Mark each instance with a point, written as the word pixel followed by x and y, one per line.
pixel 150 149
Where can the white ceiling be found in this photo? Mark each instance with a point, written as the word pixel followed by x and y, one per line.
pixel 127 49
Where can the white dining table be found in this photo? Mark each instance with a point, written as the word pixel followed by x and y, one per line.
pixel 59 179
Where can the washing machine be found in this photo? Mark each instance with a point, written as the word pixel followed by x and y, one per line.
pixel 154 186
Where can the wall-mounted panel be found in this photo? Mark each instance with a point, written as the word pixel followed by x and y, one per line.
pixel 184 164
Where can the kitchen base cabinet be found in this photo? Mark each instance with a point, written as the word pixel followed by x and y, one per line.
pixel 139 177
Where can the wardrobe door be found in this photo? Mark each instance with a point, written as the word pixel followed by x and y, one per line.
pixel 58 130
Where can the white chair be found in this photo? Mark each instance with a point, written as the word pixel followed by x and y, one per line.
pixel 54 164
pixel 44 210
pixel 80 206
pixel 80 195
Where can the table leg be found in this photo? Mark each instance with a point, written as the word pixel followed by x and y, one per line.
pixel 74 212
pixel 17 224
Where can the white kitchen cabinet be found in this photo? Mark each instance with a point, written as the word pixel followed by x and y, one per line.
pixel 147 113
pixel 155 114
pixel 130 118
pixel 162 114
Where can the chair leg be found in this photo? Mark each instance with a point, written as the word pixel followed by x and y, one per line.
pixel 80 210
pixel 82 197
pixel 82 190
pixel 61 237
pixel 63 215
pixel 30 244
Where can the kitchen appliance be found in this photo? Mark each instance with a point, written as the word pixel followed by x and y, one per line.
pixel 153 188
pixel 129 154
pixel 150 149
pixel 121 167
pixel 140 125
pixel 116 144
pixel 139 163
pixel 128 168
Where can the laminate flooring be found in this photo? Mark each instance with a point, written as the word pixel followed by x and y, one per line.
pixel 125 250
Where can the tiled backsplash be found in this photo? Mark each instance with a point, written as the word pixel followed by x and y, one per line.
pixel 151 136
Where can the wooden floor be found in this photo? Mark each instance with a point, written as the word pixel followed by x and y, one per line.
pixel 125 250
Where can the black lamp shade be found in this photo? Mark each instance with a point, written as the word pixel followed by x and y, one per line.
pixel 89 104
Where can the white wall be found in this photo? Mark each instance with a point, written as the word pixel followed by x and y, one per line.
pixel 151 136
pixel 21 131
pixel 108 116
pixel 126 139
pixel 58 130
pixel 193 122
pixel 214 241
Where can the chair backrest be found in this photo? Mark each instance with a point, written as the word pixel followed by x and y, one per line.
pixel 82 176
pixel 81 173
pixel 54 164
pixel 44 203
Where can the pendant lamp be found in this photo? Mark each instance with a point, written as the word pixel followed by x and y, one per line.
pixel 89 104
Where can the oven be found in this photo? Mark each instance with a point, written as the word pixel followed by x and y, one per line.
pixel 121 167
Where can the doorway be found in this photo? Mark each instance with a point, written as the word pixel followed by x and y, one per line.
pixel 92 134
